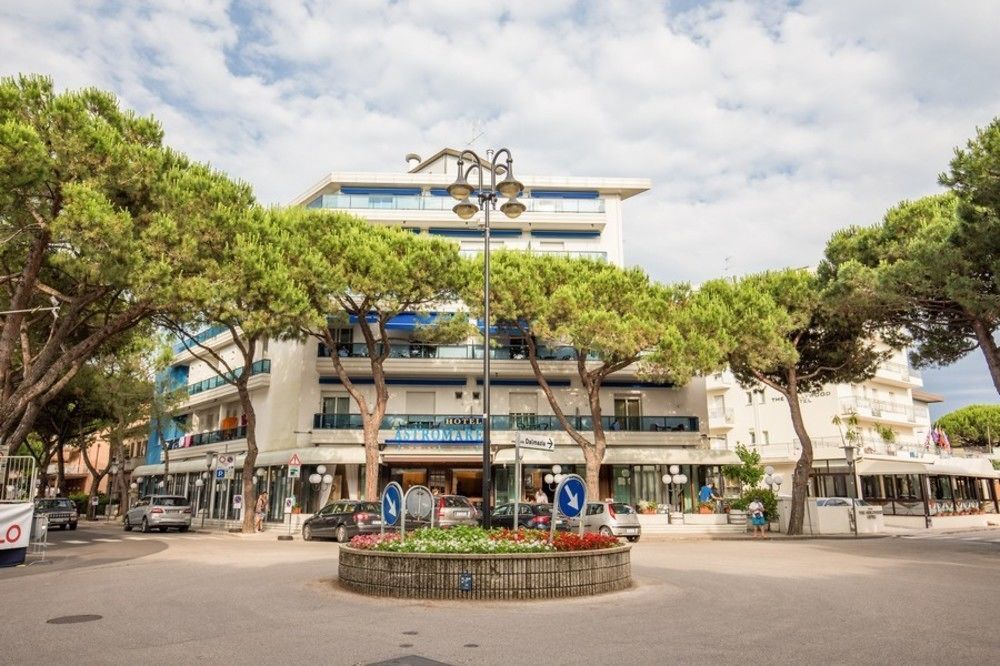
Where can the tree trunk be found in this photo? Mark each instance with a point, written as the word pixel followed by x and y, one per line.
pixel 371 428
pixel 990 350
pixel 595 456
pixel 803 468
pixel 250 461
pixel 60 469
pixel 593 473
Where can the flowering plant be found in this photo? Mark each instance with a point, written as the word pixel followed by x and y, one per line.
pixel 478 540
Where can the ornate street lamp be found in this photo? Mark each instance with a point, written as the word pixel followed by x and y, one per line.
pixel 466 208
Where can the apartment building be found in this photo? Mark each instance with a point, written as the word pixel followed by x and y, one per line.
pixel 432 433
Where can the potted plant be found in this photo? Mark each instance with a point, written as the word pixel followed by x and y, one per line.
pixel 646 506
pixel 706 507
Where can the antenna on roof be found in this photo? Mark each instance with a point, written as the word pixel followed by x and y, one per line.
pixel 478 130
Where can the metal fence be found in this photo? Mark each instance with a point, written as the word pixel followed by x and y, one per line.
pixel 17 479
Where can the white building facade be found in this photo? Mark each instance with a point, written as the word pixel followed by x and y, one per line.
pixel 432 434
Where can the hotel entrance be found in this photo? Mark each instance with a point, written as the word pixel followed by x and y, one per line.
pixel 445 480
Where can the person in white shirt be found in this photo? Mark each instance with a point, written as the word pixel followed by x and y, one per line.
pixel 758 518
pixel 541 497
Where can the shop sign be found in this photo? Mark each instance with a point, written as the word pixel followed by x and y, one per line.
pixel 452 430
pixel 15 525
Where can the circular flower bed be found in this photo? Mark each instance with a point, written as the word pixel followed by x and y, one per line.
pixel 479 540
pixel 473 563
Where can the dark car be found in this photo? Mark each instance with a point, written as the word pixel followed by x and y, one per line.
pixel 60 510
pixel 342 520
pixel 532 516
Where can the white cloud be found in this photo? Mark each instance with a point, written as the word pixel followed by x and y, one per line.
pixel 763 126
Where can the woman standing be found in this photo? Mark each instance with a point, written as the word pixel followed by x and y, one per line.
pixel 260 511
pixel 758 518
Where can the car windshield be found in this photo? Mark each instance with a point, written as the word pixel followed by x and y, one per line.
pixel 55 504
pixel 456 502
pixel 543 509
pixel 622 508
pixel 367 506
pixel 861 502
pixel 170 501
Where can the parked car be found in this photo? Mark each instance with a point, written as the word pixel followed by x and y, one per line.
pixel 161 512
pixel 451 510
pixel 840 501
pixel 532 516
pixel 611 519
pixel 60 510
pixel 343 520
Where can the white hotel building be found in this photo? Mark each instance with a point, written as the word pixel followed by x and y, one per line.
pixel 302 408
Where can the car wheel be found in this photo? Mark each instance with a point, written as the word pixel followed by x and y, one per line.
pixel 145 525
pixel 307 533
pixel 633 539
pixel 342 534
pixel 184 528
pixel 127 525
pixel 605 531
pixel 72 526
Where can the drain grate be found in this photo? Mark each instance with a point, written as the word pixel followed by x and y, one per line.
pixel 73 619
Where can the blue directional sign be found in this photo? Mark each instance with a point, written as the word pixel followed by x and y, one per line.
pixel 392 504
pixel 571 496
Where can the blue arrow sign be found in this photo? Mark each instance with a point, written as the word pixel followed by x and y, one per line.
pixel 392 504
pixel 571 496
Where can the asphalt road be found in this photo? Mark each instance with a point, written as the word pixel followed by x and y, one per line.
pixel 229 599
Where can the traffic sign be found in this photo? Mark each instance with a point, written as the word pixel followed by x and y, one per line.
pixel 419 502
pixel 392 504
pixel 571 496
pixel 289 504
pixel 237 501
pixel 220 473
pixel 294 467
pixel 539 442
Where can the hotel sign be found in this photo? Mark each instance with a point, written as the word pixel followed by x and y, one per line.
pixel 451 430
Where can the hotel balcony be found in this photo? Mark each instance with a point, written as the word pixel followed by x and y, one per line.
pixel 885 412
pixel 719 381
pixel 215 386
pixel 187 446
pixel 443 360
pixel 213 337
pixel 502 422
pixel 721 418
pixel 897 374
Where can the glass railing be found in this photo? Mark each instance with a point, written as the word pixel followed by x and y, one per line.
pixel 415 202
pixel 510 422
pixel 572 254
pixel 429 351
pixel 211 437
pixel 207 334
pixel 262 366
pixel 900 368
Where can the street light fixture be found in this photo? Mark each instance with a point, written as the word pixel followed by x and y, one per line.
pixel 849 456
pixel 461 190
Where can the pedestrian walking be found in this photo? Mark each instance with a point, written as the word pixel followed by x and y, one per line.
pixel 260 512
pixel 758 518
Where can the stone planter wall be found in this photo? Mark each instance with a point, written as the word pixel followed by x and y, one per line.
pixel 502 576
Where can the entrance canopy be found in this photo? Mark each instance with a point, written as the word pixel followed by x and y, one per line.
pixel 975 467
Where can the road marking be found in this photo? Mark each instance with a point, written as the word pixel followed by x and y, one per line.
pixel 74 541
pixel 107 540
pixel 137 538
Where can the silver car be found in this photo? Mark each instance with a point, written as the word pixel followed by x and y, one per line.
pixel 161 512
pixel 611 519
pixel 451 510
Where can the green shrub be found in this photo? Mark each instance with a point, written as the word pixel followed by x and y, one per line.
pixel 766 497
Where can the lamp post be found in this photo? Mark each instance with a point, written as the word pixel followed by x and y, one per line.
pixel 209 461
pixel 675 480
pixel 773 480
pixel 849 457
pixel 112 484
pixel 508 188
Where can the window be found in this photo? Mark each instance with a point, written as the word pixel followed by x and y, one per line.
pixel 760 396
pixel 749 398
pixel 628 414
pixel 380 201
pixel 336 404
pixel 502 510
pixel 753 436
pixel 767 436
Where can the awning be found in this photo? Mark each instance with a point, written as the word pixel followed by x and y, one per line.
pixel 975 467
pixel 318 455
pixel 407 321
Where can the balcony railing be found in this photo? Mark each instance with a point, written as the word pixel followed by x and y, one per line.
pixel 724 415
pixel 416 202
pixel 572 254
pixel 459 352
pixel 262 366
pixel 510 422
pixel 878 408
pixel 211 437
pixel 900 369
pixel 207 334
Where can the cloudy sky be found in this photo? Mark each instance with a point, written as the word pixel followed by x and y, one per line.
pixel 764 126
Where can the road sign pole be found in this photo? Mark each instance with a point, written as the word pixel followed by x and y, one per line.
pixel 517 482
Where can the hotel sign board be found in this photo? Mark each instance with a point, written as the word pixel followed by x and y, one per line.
pixel 450 430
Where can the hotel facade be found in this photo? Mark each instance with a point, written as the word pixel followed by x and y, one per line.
pixel 432 433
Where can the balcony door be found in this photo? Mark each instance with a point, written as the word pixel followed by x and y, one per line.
pixel 628 413
pixel 336 410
